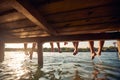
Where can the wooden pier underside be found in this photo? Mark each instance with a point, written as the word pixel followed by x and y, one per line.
pixel 59 20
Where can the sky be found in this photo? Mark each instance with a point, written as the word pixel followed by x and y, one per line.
pixel 82 44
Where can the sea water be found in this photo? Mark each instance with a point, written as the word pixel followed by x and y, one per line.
pixel 60 66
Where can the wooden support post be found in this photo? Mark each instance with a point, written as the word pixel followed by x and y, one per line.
pixel 118 45
pixel 1 51
pixel 25 48
pixel 40 54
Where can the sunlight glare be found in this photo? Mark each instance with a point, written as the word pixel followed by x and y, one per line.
pixel 18 61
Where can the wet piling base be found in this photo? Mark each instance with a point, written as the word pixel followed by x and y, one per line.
pixel 1 51
pixel 40 54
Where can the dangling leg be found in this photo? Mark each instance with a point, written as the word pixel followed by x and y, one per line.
pixel 25 48
pixel 52 48
pixel 101 43
pixel 32 50
pixel 58 45
pixel 93 54
pixel 75 47
pixel 65 43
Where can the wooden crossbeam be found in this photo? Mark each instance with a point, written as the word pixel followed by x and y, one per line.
pixel 12 16
pixel 80 37
pixel 69 5
pixel 3 4
pixel 32 14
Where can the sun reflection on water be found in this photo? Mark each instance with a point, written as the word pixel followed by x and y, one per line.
pixel 16 64
pixel 16 61
pixel 57 67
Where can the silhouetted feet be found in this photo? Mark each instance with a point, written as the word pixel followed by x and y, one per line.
pixel 75 52
pixel 93 55
pixel 99 53
pixel 60 51
pixel 65 43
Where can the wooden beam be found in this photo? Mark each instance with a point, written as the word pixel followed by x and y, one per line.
pixel 68 5
pixel 29 33
pixel 40 54
pixel 1 51
pixel 32 14
pixel 32 35
pixel 80 37
pixel 5 4
pixel 23 29
pixel 89 28
pixel 13 16
pixel 85 37
pixel 97 12
pixel 16 24
pixel 101 19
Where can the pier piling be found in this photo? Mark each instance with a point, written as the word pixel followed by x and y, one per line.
pixel 1 51
pixel 40 54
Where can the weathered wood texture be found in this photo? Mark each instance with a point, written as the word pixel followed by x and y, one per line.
pixel 40 54
pixel 80 37
pixel 58 20
pixel 47 18
pixel 1 51
pixel 31 13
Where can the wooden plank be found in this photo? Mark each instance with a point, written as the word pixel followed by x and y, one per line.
pixel 84 37
pixel 16 24
pixel 1 51
pixel 32 14
pixel 90 28
pixel 85 14
pixel 27 29
pixel 94 20
pixel 29 33
pixel 32 36
pixel 11 36
pixel 5 12
pixel 87 32
pixel 18 29
pixel 14 16
pixel 5 5
pixel 80 37
pixel 38 31
pixel 40 54
pixel 68 5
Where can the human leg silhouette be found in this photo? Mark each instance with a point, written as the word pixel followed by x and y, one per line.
pixel 58 45
pixel 75 43
pixel 25 48
pixel 93 54
pixel 101 43
pixel 52 47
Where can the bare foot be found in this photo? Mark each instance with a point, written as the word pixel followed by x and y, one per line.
pixel 60 51
pixel 75 52
pixel 93 55
pixel 65 43
pixel 99 53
